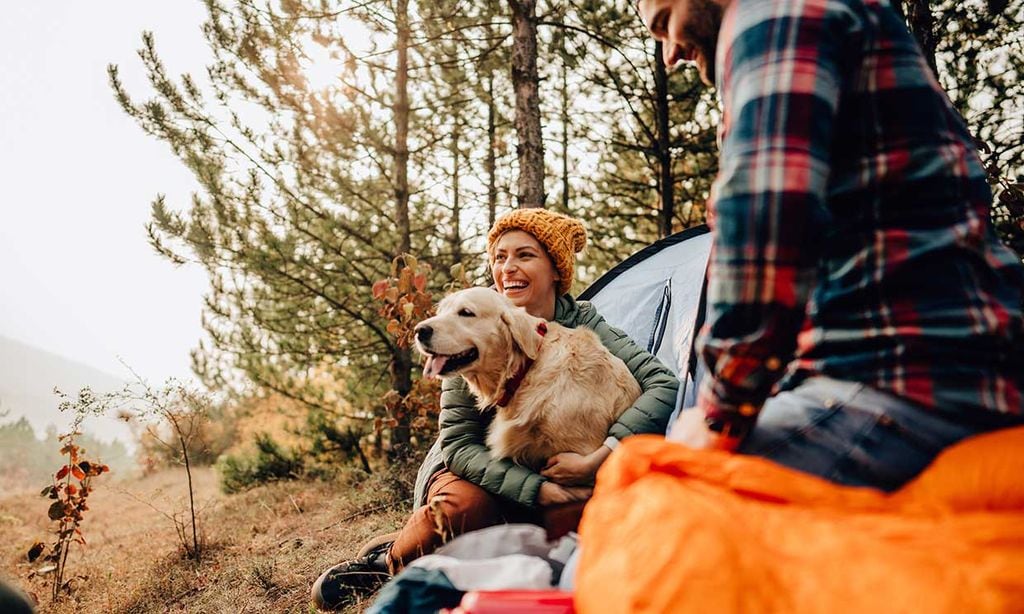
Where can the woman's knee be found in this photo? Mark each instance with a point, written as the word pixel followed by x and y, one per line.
pixel 462 506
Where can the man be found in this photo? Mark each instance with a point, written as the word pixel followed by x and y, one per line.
pixel 854 267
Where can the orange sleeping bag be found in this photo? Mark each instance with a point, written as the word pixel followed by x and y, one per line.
pixel 672 529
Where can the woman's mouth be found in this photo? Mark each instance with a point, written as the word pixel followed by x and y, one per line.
pixel 514 287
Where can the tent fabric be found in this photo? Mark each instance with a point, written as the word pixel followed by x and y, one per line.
pixel 671 529
pixel 654 295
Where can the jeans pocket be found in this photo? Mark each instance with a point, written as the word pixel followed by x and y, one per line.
pixel 787 422
pixel 885 456
pixel 923 443
pixel 822 444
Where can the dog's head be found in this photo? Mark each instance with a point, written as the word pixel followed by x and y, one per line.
pixel 477 331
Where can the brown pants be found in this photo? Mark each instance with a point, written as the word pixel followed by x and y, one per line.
pixel 454 507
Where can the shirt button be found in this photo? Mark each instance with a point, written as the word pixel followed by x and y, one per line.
pixel 747 410
pixel 773 364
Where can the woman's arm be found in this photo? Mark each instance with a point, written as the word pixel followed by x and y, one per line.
pixel 465 453
pixel 648 414
pixel 651 411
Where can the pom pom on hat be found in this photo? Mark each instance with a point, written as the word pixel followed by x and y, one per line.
pixel 562 236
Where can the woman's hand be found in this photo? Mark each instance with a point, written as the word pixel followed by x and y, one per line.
pixel 691 430
pixel 571 469
pixel 554 494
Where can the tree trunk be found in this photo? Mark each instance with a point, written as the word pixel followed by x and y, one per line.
pixel 565 133
pixel 918 14
pixel 401 363
pixel 196 553
pixel 525 83
pixel 666 181
pixel 456 237
pixel 491 163
pixel 401 113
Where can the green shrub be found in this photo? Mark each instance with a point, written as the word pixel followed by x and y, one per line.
pixel 269 463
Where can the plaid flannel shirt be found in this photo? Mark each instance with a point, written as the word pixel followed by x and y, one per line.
pixel 851 222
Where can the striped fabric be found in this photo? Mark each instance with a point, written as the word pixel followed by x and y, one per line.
pixel 851 222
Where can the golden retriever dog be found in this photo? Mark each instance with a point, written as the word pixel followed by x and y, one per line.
pixel 555 389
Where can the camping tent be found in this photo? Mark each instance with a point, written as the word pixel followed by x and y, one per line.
pixel 655 295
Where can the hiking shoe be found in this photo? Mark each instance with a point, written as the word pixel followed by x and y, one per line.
pixel 342 584
pixel 375 542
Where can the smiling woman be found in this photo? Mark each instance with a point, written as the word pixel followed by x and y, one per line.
pixel 461 485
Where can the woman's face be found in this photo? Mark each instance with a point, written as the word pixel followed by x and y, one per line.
pixel 524 273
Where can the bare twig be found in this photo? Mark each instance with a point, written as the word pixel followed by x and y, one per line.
pixel 376 508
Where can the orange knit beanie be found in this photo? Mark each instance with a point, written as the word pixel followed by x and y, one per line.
pixel 562 236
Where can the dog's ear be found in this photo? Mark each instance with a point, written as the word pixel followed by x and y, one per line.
pixel 524 331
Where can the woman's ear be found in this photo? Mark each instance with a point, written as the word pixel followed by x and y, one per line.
pixel 524 331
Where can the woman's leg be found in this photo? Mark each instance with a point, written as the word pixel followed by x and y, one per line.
pixel 460 507
pixel 455 506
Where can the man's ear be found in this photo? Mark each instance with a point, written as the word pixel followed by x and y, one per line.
pixel 523 327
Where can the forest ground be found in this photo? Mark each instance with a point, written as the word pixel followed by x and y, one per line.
pixel 264 547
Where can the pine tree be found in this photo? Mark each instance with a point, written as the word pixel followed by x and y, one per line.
pixel 652 134
pixel 307 194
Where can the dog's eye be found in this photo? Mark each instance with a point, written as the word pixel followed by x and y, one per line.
pixel 465 313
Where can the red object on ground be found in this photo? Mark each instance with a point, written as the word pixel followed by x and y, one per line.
pixel 515 602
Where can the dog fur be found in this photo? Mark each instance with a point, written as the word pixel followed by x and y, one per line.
pixel 569 398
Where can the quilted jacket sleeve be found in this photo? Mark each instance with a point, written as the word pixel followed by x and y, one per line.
pixel 650 413
pixel 464 449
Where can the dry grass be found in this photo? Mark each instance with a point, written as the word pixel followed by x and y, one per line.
pixel 264 548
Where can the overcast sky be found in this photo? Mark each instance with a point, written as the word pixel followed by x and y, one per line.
pixel 77 176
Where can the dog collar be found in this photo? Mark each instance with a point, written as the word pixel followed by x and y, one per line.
pixel 513 384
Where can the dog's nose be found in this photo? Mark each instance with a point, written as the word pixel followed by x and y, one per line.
pixel 423 333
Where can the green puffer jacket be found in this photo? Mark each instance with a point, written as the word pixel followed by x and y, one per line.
pixel 461 445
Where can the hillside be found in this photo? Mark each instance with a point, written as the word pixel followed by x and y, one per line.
pixel 264 547
pixel 28 376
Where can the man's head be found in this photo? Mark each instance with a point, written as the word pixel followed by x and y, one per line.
pixel 687 29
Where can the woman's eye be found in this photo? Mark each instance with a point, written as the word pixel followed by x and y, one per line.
pixel 465 313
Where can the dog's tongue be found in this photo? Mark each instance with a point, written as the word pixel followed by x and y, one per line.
pixel 432 367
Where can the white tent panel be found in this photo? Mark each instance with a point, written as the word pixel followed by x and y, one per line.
pixel 654 297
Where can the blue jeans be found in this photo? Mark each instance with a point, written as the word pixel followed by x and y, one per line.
pixel 851 434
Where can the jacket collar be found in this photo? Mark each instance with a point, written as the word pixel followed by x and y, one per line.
pixel 566 310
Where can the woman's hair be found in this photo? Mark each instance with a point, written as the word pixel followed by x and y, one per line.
pixel 562 237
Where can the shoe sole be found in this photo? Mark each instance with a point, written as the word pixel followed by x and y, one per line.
pixel 376 541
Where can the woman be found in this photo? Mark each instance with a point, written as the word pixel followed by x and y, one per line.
pixel 532 257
